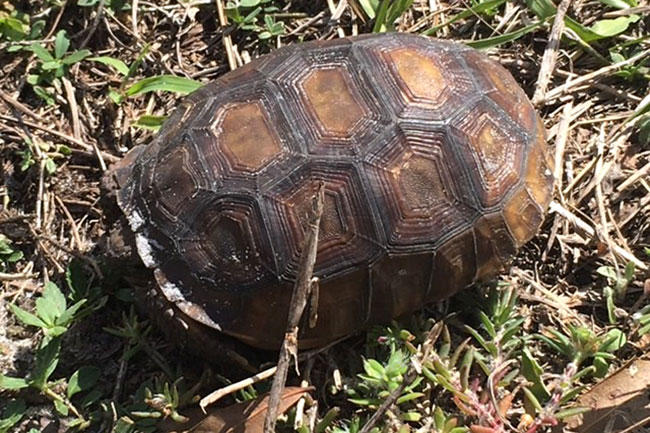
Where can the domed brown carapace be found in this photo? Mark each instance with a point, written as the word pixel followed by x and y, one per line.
pixel 434 169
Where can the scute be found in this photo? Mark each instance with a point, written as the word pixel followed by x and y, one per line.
pixel 432 161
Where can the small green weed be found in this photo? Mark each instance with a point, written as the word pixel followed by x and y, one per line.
pixel 379 380
pixel 54 317
pixel 483 374
pixel 246 14
pixel 616 287
pixel 385 12
pixel 167 83
pixel 8 254
pixel 53 65
pixel 47 153
pixel 15 26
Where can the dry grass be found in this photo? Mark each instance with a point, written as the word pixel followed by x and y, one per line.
pixel 52 157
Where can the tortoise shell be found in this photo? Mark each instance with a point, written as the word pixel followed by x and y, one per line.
pixel 434 169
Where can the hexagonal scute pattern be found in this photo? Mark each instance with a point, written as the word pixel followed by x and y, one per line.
pixel 422 193
pixel 246 137
pixel 493 151
pixel 332 101
pixel 433 166
pixel 347 235
pixel 423 79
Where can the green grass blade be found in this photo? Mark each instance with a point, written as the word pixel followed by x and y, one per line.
pixel 167 83
pixel 495 41
pixel 475 10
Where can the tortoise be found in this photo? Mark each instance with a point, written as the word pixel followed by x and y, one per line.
pixel 432 161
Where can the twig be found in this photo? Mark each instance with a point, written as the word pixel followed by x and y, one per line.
pixel 234 387
pixel 636 425
pixel 93 26
pixel 55 24
pixel 18 106
pixel 565 88
pixel 560 144
pixel 591 232
pixel 74 109
pixel 25 275
pixel 73 224
pixel 134 18
pixel 100 154
pixel 550 54
pixel 643 171
pixel 299 297
pixel 227 40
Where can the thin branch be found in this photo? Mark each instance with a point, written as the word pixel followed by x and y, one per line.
pixel 550 54
pixel 582 79
pixel 299 299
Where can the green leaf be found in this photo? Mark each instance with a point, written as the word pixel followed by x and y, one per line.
pixel 613 27
pixel 37 29
pixel 67 316
pixel 369 7
pixel 380 20
pixel 50 66
pixel 61 44
pixel 573 411
pixel 506 37
pixel 532 371
pixel 50 166
pixel 613 341
pixel 487 324
pixel 13 29
pixel 75 57
pixel 91 397
pixel 51 305
pixel 119 65
pixel 327 420
pixel 532 399
pixel 14 411
pixel 169 83
pixel 61 407
pixel 138 61
pixel 15 256
pixel 249 3
pixel 55 331
pixel 411 416
pixel 373 368
pixel 150 122
pixel 408 397
pixel 115 96
pixel 602 366
pixel 27 318
pixel 47 358
pixel 12 383
pixel 41 52
pixel 83 379
pixel 44 94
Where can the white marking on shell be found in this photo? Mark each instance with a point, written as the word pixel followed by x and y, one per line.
pixel 144 249
pixel 135 220
pixel 172 292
